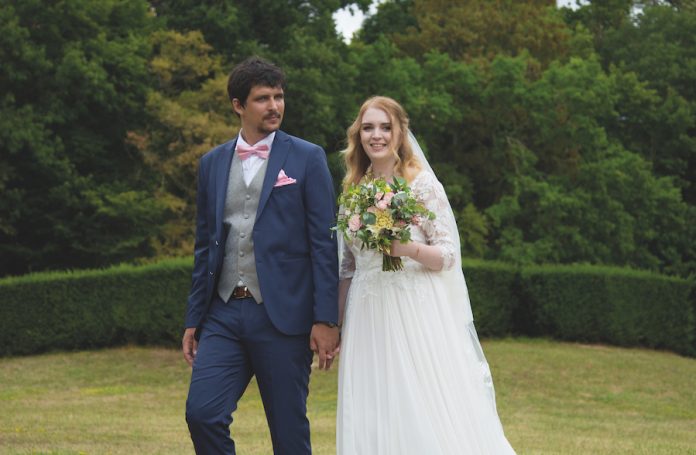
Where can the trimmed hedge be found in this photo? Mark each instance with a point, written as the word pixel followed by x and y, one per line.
pixel 610 305
pixel 146 305
pixel 94 308
pixel 492 291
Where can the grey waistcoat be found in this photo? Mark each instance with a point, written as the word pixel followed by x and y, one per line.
pixel 241 203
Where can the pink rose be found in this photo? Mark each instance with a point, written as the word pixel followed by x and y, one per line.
pixel 378 196
pixel 388 197
pixel 415 220
pixel 382 204
pixel 354 223
pixel 372 209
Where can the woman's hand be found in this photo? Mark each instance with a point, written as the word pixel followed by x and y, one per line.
pixel 399 249
pixel 428 255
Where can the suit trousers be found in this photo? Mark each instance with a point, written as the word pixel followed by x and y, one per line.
pixel 239 341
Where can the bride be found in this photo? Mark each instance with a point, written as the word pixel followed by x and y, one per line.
pixel 412 377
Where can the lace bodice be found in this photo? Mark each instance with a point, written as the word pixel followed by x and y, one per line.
pixel 432 232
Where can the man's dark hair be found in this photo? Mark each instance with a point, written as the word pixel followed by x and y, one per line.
pixel 253 71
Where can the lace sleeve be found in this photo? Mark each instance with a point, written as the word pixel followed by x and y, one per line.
pixel 347 267
pixel 437 231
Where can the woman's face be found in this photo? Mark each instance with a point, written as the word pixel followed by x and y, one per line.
pixel 376 135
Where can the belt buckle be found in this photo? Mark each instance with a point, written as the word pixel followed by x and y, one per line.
pixel 240 292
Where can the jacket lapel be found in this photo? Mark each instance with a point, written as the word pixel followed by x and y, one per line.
pixel 279 153
pixel 223 163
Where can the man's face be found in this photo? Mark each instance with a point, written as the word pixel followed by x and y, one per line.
pixel 264 109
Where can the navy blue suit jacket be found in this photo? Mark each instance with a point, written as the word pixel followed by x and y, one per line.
pixel 296 254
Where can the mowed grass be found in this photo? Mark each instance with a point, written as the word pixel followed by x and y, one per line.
pixel 553 398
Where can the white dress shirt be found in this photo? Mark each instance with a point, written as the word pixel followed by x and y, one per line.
pixel 251 165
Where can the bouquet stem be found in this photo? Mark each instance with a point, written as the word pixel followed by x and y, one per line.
pixel 391 263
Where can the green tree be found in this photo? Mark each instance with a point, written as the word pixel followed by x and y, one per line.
pixel 238 28
pixel 523 147
pixel 321 89
pixel 600 17
pixel 392 17
pixel 189 114
pixel 481 29
pixel 660 48
pixel 614 212
pixel 300 36
pixel 72 81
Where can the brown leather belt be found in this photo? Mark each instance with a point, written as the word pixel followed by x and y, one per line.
pixel 241 292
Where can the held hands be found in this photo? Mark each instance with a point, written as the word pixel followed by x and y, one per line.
pixel 189 345
pixel 324 342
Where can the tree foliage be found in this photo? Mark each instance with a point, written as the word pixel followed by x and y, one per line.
pixel 72 81
pixel 188 114
pixel 474 29
pixel 560 135
pixel 615 211
pixel 659 47
pixel 569 149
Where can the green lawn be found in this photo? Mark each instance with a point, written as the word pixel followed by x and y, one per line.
pixel 553 398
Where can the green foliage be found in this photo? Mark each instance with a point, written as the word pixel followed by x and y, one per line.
pixel 600 17
pixel 660 48
pixel 540 154
pixel 97 308
pixel 560 135
pixel 72 81
pixel 189 113
pixel 237 28
pixel 392 17
pixel 614 211
pixel 221 22
pixel 144 305
pixel 479 29
pixel 607 305
pixel 393 76
pixel 320 88
pixel 473 231
pixel 493 294
pixel 181 61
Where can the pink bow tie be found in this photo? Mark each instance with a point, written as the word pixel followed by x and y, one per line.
pixel 259 150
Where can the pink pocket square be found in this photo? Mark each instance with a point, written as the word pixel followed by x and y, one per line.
pixel 283 179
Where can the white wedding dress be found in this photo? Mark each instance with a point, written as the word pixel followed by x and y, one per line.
pixel 412 376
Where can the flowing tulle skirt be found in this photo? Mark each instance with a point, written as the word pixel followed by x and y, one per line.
pixel 412 376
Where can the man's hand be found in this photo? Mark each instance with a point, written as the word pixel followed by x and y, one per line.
pixel 323 341
pixel 189 345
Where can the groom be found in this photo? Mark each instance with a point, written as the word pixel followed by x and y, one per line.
pixel 264 288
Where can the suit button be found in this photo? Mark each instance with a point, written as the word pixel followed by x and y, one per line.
pixel 242 235
pixel 211 273
pixel 241 253
pixel 246 216
pixel 216 242
pixel 248 197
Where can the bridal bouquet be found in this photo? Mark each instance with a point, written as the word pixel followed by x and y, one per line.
pixel 378 213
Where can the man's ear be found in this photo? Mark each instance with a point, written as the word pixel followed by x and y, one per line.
pixel 237 106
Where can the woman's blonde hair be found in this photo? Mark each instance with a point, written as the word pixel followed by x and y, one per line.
pixel 357 161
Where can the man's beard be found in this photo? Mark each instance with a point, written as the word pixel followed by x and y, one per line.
pixel 266 130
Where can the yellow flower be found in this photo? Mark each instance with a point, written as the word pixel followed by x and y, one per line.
pixel 384 220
